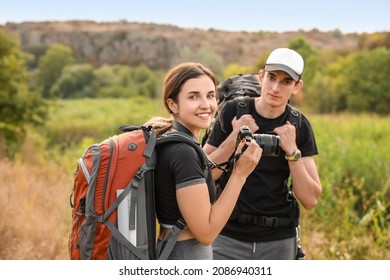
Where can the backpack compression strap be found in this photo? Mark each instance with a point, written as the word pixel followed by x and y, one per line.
pixel 170 238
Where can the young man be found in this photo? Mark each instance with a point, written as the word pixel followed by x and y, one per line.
pixel 264 223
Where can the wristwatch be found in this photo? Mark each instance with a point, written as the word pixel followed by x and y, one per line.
pixel 294 156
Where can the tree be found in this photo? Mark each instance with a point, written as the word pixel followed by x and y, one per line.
pixel 235 69
pixel 75 82
pixel 362 83
pixel 18 105
pixel 125 81
pixel 51 65
pixel 310 56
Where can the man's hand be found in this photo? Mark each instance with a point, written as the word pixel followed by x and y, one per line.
pixel 247 120
pixel 287 137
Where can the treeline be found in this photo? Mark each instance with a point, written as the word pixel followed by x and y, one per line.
pixel 354 82
pixel 335 81
pixel 59 76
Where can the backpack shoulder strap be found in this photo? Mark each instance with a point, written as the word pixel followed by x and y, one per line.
pixel 294 116
pixel 182 137
pixel 170 238
pixel 242 106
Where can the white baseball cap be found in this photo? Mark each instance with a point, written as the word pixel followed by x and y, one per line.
pixel 286 60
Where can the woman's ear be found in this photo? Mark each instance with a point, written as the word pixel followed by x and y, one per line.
pixel 172 106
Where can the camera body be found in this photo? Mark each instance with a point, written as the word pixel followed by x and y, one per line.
pixel 268 142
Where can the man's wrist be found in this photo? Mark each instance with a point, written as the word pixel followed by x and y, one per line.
pixel 295 155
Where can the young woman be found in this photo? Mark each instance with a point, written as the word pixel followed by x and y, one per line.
pixel 182 191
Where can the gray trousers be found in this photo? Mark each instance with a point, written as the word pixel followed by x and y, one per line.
pixel 226 248
pixel 191 249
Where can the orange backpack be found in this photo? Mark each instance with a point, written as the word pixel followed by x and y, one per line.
pixel 113 214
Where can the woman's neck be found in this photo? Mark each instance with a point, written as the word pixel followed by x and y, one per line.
pixel 182 128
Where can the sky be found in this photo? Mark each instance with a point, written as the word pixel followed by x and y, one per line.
pixel 231 15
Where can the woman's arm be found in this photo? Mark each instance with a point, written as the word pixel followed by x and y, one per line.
pixel 205 221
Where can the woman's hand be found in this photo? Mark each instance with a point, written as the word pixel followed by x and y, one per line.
pixel 248 159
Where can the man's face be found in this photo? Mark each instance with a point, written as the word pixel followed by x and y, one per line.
pixel 277 87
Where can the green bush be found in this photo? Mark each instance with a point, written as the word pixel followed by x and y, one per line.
pixel 353 212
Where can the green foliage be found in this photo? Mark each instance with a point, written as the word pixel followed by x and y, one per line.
pixel 353 211
pixel 361 81
pixel 51 65
pixel 119 81
pixel 235 69
pixel 260 62
pixel 310 56
pixel 74 82
pixel 116 81
pixel 355 142
pixel 74 120
pixel 321 97
pixel 19 107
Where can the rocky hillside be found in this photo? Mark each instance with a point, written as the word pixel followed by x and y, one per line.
pixel 157 45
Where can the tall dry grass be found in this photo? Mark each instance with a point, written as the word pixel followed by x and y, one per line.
pixel 35 215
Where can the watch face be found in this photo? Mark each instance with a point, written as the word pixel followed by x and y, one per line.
pixel 297 155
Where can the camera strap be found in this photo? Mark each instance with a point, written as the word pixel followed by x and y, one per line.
pixel 226 166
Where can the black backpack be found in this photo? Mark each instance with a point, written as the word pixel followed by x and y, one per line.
pixel 234 87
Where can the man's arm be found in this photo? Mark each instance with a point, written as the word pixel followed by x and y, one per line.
pixel 306 182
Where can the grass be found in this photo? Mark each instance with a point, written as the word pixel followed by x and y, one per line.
pixel 351 220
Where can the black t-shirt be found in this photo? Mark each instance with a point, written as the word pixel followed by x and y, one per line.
pixel 178 166
pixel 265 192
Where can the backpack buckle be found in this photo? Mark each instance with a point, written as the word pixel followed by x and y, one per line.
pixel 270 222
pixel 181 224
pixel 140 173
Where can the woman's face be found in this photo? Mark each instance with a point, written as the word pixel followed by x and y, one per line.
pixel 197 104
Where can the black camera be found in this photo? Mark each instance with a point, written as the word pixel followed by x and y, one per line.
pixel 268 142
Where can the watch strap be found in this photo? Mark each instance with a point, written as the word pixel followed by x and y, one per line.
pixel 294 156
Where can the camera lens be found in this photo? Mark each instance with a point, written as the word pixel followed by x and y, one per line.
pixel 269 143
